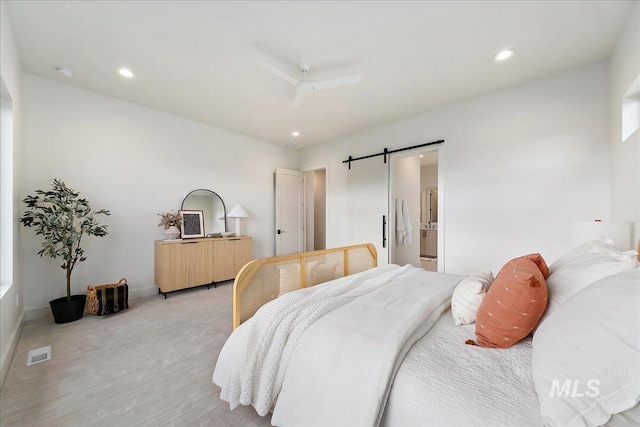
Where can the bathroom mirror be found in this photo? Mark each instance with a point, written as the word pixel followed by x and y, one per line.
pixel 429 205
pixel 212 207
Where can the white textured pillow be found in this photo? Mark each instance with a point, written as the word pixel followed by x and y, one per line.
pixel 586 357
pixel 324 272
pixel 468 296
pixel 290 276
pixel 577 273
pixel 603 243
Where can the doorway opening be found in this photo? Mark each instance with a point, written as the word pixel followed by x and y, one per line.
pixel 429 210
pixel 413 203
pixel 315 209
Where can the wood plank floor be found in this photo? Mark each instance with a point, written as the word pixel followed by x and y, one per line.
pixel 150 365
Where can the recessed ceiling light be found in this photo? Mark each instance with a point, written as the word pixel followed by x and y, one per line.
pixel 421 155
pixel 124 72
pixel 504 54
pixel 64 71
pixel 295 133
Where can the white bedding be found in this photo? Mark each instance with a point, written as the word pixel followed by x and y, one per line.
pixel 444 382
pixel 255 360
pixel 252 364
pixel 345 363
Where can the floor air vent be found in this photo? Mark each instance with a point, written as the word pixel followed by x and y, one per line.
pixel 38 355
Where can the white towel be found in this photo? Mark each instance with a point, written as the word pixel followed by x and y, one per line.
pixel 401 231
pixel 407 222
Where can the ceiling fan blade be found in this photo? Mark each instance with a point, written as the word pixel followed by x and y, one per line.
pixel 298 100
pixel 277 72
pixel 342 81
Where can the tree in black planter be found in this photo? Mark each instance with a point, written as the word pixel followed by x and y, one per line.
pixel 61 217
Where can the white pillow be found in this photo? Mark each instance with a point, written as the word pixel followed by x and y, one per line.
pixel 290 276
pixel 578 251
pixel 324 273
pixel 582 269
pixel 468 296
pixel 586 357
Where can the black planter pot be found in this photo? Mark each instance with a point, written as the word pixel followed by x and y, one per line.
pixel 68 311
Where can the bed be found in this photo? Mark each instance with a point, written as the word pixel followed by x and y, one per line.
pixel 330 338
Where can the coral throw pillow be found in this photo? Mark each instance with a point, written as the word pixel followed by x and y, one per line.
pixel 514 303
pixel 540 262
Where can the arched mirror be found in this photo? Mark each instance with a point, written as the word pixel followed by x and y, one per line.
pixel 213 210
pixel 429 205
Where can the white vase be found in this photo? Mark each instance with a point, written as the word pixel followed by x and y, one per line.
pixel 172 232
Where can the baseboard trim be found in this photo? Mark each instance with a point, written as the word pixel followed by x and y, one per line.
pixel 144 292
pixel 38 312
pixel 8 357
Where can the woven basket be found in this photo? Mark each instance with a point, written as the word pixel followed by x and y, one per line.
pixel 108 298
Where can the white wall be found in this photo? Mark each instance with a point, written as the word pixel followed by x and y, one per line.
pixel 515 168
pixel 624 68
pixel 137 162
pixel 11 314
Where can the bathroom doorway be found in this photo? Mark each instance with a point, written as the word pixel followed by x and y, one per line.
pixel 414 208
pixel 429 210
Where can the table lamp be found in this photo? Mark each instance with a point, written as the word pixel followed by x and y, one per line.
pixel 238 212
pixel 618 231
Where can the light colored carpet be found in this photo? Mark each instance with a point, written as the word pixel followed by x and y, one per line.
pixel 150 365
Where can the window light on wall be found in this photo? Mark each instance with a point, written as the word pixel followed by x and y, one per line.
pixel 6 191
pixel 631 110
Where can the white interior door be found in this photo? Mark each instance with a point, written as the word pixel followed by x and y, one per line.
pixel 289 211
pixel 368 183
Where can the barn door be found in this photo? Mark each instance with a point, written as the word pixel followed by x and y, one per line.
pixel 368 183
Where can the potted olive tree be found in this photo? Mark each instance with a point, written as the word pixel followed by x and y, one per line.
pixel 62 218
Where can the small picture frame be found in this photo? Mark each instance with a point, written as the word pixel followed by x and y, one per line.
pixel 192 224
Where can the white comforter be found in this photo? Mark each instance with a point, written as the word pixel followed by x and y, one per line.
pixel 444 382
pixel 338 345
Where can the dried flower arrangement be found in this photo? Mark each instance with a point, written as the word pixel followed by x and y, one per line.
pixel 168 219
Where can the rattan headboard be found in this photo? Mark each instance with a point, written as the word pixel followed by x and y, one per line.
pixel 262 280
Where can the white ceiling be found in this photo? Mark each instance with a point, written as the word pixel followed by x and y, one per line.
pixel 197 59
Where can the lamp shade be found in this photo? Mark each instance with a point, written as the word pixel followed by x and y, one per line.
pixel 618 231
pixel 238 212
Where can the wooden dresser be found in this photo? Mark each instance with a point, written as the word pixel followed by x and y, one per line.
pixel 182 264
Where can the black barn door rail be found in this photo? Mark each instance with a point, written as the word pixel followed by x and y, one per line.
pixel 386 152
